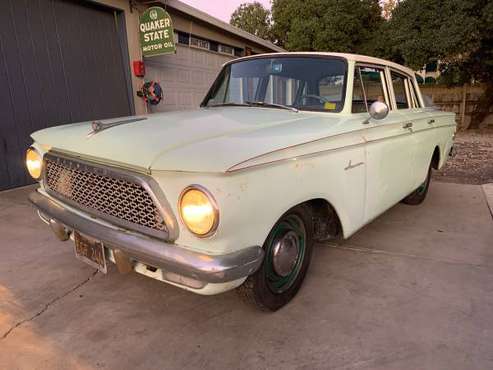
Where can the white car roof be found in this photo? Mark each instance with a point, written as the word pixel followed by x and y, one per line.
pixel 353 57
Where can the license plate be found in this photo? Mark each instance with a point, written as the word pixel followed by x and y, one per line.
pixel 90 251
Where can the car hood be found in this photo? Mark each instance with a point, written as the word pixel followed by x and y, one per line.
pixel 203 140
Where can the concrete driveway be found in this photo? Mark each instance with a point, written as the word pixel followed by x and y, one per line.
pixel 413 290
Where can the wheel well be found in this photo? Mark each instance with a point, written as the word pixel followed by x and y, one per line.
pixel 326 222
pixel 435 160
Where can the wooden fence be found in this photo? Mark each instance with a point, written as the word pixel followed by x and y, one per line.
pixel 461 100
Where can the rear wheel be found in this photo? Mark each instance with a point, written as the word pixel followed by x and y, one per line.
pixel 419 195
pixel 288 251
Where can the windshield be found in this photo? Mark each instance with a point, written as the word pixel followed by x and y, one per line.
pixel 304 83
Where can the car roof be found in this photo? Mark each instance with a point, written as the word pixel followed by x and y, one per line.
pixel 353 57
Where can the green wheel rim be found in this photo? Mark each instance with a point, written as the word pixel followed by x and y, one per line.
pixel 290 224
pixel 422 187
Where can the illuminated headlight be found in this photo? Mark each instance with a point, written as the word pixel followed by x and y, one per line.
pixel 34 163
pixel 198 211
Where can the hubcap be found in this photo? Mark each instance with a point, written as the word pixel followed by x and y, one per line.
pixel 285 254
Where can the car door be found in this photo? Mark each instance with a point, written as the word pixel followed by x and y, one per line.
pixel 389 149
pixel 423 123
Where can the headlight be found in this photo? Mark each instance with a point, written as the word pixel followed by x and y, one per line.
pixel 34 163
pixel 198 211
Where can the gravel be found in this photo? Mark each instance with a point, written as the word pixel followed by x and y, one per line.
pixel 473 162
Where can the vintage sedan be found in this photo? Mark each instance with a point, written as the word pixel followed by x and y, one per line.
pixel 286 150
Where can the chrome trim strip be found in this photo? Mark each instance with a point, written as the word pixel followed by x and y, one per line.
pixel 168 256
pixel 147 182
pixel 98 126
pixel 233 169
pixel 309 155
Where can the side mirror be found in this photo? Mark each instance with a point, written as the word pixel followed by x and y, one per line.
pixel 378 111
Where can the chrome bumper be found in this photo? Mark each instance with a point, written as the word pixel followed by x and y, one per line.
pixel 156 253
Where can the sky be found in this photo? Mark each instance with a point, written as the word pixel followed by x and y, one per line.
pixel 221 9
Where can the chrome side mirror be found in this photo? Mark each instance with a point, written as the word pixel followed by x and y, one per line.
pixel 378 111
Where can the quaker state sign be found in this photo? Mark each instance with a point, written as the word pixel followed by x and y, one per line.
pixel 156 32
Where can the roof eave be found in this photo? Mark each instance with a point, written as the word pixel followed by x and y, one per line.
pixel 196 13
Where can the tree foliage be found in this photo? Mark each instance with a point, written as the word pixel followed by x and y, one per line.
pixel 253 18
pixel 458 33
pixel 325 25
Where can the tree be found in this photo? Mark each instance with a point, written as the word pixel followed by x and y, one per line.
pixel 458 33
pixel 325 25
pixel 253 18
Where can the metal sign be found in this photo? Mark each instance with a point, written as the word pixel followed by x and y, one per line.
pixel 156 32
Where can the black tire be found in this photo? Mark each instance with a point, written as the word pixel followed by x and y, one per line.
pixel 419 195
pixel 268 290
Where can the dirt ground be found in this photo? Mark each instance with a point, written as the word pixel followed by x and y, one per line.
pixel 473 162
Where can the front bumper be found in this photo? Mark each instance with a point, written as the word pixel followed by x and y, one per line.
pixel 170 257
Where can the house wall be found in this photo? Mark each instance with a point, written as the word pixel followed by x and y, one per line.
pixel 185 76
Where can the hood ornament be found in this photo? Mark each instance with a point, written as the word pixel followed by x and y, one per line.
pixel 98 126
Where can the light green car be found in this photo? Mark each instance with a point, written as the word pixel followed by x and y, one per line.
pixel 285 150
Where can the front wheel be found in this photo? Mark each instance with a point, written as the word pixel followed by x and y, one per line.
pixel 419 195
pixel 288 251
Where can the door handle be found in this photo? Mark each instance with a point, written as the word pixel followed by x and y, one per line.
pixel 431 121
pixel 407 125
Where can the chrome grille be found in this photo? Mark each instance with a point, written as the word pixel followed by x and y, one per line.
pixel 99 191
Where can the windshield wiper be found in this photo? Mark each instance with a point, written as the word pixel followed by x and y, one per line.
pixel 228 105
pixel 273 105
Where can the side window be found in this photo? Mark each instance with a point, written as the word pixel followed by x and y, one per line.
pixel 414 95
pixel 368 87
pixel 399 84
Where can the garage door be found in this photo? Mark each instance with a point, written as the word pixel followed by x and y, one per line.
pixel 60 62
pixel 185 76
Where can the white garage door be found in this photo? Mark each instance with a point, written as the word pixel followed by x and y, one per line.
pixel 185 76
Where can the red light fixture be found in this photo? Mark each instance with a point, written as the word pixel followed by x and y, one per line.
pixel 139 68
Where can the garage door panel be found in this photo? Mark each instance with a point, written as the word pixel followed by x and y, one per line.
pixel 32 86
pixel 51 69
pixel 62 62
pixel 185 76
pixel 16 130
pixel 70 33
pixel 108 53
pixel 8 139
pixel 44 97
